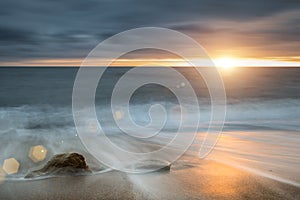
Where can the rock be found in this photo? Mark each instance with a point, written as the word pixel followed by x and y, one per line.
pixel 146 166
pixel 63 164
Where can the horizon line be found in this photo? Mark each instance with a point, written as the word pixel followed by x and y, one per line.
pixel 176 66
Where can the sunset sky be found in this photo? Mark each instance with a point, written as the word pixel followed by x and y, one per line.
pixel 62 33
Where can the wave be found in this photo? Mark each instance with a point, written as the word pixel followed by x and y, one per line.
pixel 26 126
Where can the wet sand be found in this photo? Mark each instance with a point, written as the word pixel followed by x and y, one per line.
pixel 201 179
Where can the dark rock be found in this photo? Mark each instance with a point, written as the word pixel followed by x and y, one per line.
pixel 63 164
pixel 148 166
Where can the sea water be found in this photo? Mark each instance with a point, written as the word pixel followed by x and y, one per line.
pixel 261 133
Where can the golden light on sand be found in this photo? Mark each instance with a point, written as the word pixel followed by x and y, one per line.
pixel 37 153
pixel 225 62
pixel 11 166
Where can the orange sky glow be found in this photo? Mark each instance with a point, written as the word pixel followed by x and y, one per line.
pixel 218 61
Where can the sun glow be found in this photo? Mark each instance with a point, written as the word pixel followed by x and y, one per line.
pixel 225 62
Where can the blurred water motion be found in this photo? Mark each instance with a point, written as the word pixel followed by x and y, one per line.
pixel 93 127
pixel 261 130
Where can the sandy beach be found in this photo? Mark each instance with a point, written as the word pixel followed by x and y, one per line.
pixel 203 180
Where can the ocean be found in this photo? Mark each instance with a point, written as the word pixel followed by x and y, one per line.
pixel 261 133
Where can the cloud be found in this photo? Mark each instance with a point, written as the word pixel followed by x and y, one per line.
pixel 71 28
pixel 13 36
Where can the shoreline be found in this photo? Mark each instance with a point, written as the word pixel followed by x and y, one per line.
pixel 203 179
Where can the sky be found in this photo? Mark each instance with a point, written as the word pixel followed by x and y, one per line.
pixel 63 32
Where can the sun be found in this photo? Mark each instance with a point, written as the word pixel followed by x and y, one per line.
pixel 225 62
